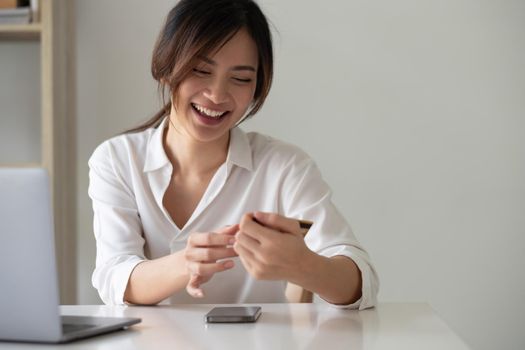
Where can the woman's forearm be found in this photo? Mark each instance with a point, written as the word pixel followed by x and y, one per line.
pixel 154 280
pixel 336 280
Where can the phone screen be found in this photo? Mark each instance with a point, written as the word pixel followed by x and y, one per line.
pixel 233 314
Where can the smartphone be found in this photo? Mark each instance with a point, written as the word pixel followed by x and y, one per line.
pixel 233 314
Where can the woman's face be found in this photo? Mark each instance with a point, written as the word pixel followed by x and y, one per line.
pixel 219 90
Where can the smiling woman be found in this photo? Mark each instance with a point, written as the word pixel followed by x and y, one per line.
pixel 188 195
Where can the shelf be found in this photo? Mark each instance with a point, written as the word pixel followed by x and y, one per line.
pixel 30 31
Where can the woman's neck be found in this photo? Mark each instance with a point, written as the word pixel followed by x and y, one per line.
pixel 193 157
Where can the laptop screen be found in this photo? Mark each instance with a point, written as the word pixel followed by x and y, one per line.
pixel 30 298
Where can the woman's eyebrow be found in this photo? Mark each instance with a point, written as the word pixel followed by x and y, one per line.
pixel 234 68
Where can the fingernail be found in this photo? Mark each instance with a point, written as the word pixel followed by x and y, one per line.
pixel 232 240
pixel 228 264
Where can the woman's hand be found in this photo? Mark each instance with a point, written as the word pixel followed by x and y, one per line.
pixel 202 253
pixel 271 246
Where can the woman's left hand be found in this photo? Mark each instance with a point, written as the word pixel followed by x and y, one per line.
pixel 270 246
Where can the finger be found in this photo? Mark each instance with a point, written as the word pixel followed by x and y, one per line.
pixel 256 230
pixel 246 256
pixel 193 287
pixel 209 254
pixel 228 230
pixel 278 222
pixel 210 239
pixel 247 242
pixel 208 269
pixel 195 281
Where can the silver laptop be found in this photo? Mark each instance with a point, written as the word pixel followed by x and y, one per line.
pixel 29 296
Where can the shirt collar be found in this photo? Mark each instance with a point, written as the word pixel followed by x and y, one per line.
pixel 156 157
pixel 239 150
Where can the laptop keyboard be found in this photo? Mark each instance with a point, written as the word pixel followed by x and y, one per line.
pixel 70 327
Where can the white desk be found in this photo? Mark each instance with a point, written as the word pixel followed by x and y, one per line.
pixel 281 326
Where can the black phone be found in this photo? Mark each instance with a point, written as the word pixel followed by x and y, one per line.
pixel 233 314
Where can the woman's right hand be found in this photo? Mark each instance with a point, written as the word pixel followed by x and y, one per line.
pixel 205 254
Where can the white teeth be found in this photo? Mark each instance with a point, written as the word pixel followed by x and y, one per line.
pixel 208 112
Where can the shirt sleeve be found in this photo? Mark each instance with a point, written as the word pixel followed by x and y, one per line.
pixel 306 195
pixel 116 224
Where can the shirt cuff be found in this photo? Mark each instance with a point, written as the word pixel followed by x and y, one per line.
pixel 369 281
pixel 115 281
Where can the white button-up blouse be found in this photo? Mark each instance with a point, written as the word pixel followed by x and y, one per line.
pixel 130 173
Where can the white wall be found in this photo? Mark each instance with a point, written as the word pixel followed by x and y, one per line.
pixel 414 111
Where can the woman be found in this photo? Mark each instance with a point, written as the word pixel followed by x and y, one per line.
pixel 188 195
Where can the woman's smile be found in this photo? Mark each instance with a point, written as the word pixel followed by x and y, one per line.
pixel 209 116
pixel 208 112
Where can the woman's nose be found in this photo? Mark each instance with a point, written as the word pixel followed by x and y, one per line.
pixel 216 92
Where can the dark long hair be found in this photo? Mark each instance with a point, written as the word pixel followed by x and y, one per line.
pixel 193 29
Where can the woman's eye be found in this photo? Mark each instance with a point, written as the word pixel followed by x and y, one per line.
pixel 242 80
pixel 200 71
